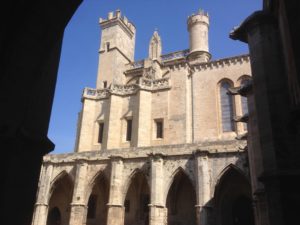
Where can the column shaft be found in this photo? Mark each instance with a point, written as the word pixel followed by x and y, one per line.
pixel 78 205
pixel 41 206
pixel 158 211
pixel 115 204
pixel 202 188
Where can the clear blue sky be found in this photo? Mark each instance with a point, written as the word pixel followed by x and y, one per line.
pixel 79 57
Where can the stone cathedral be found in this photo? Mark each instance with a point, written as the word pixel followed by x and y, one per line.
pixel 157 142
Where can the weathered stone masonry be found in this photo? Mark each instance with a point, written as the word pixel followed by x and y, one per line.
pixel 156 144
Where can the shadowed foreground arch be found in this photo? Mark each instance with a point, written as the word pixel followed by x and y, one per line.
pixel 137 200
pixel 181 201
pixel 233 198
pixel 60 200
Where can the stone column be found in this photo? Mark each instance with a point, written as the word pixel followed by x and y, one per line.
pixel 112 140
pixel 158 211
pixel 272 119
pixel 143 125
pixel 41 205
pixel 202 187
pixel 78 205
pixel 115 204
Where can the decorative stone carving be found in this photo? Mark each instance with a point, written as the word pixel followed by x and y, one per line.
pixel 155 47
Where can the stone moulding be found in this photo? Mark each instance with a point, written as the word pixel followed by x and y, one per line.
pixel 155 85
pixel 125 90
pixel 91 93
pixel 214 149
pixel 222 62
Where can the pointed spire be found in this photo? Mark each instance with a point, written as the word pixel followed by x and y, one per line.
pixel 155 46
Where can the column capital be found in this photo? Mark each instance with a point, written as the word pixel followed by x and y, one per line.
pixel 156 206
pixel 200 152
pixel 156 156
pixel 116 158
pixel 41 204
pixel 76 204
pixel 110 205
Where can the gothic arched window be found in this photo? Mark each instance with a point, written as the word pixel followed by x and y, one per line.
pixel 244 101
pixel 226 107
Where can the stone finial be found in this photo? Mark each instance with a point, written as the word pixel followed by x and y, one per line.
pixel 118 13
pixel 110 15
pixel 155 47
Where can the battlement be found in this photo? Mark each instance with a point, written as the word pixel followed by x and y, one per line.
pixel 116 17
pixel 200 17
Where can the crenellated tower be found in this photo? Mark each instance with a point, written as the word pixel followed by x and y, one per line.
pixel 116 48
pixel 198 26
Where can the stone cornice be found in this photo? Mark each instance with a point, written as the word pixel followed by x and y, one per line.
pixel 210 149
pixel 221 62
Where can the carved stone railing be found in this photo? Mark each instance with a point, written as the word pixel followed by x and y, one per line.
pixel 131 89
pixel 152 85
pixel 124 89
pixel 95 93
pixel 175 55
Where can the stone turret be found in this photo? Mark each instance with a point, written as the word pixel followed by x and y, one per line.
pixel 198 26
pixel 116 48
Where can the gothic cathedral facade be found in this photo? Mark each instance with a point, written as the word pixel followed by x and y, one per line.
pixel 156 142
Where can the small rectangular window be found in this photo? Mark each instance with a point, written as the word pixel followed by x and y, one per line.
pixel 101 131
pixel 159 129
pixel 105 84
pixel 128 130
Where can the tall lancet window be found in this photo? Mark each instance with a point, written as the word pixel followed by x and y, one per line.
pixel 244 101
pixel 226 107
pixel 155 46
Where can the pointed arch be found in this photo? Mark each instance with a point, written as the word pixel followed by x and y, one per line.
pixel 233 197
pixel 97 198
pixel 136 198
pixel 173 176
pixel 60 197
pixel 230 169
pixel 63 175
pixel 100 175
pixel 227 110
pixel 130 179
pixel 181 199
pixel 243 77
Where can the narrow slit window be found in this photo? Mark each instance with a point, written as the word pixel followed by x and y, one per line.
pixel 107 46
pixel 159 129
pixel 105 84
pixel 101 132
pixel 128 129
pixel 226 108
pixel 244 102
